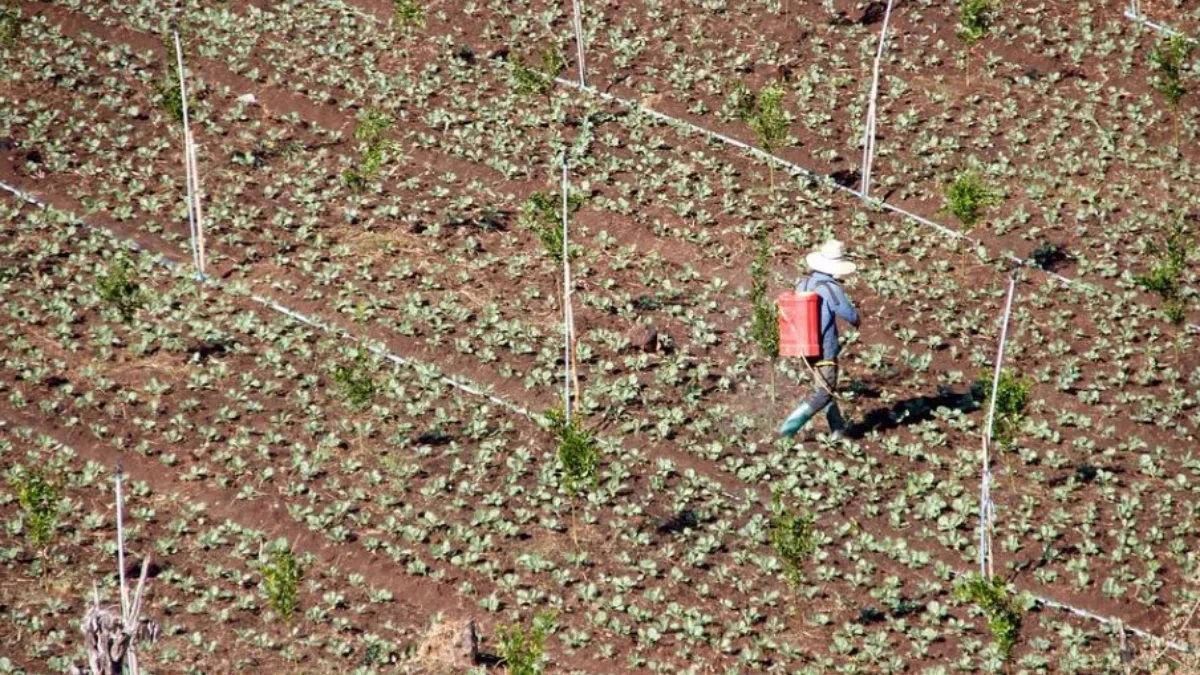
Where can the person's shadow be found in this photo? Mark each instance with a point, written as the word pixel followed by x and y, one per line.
pixel 915 410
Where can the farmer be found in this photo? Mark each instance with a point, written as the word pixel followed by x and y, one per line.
pixel 827 266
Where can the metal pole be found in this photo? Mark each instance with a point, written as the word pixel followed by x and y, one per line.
pixel 869 130
pixel 187 153
pixel 566 300
pixel 986 508
pixel 579 42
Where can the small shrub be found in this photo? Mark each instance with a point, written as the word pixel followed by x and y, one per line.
pixel 528 80
pixel 763 112
pixel 765 327
pixel 355 382
pixel 578 453
pixel 542 215
pixel 974 20
pixel 39 498
pixel 792 537
pixel 281 580
pixel 1166 277
pixel 118 289
pixel 968 197
pixel 1002 611
pixel 1012 395
pixel 522 653
pixel 10 24
pixel 409 13
pixel 1169 58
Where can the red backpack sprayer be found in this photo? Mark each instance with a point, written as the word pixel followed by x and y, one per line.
pixel 799 324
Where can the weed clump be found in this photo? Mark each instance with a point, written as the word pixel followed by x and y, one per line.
pixel 355 382
pixel 522 653
pixel 1166 277
pixel 39 498
pixel 793 538
pixel 968 197
pixel 1012 396
pixel 974 20
pixel 119 290
pixel 765 326
pixel 281 574
pixel 541 214
pixel 537 80
pixel 10 24
pixel 1002 611
pixel 408 13
pixel 374 148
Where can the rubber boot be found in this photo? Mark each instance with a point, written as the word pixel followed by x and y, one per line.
pixel 837 423
pixel 796 421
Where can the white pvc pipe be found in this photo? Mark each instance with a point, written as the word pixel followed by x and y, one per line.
pixel 1135 14
pixel 1012 286
pixel 986 506
pixel 869 128
pixel 187 156
pixel 566 253
pixel 121 546
pixel 579 41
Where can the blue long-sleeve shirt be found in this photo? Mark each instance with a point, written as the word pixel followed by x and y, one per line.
pixel 834 305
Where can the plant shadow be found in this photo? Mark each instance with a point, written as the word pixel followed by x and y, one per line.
pixel 914 411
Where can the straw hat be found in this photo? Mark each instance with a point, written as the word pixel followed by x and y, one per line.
pixel 830 259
